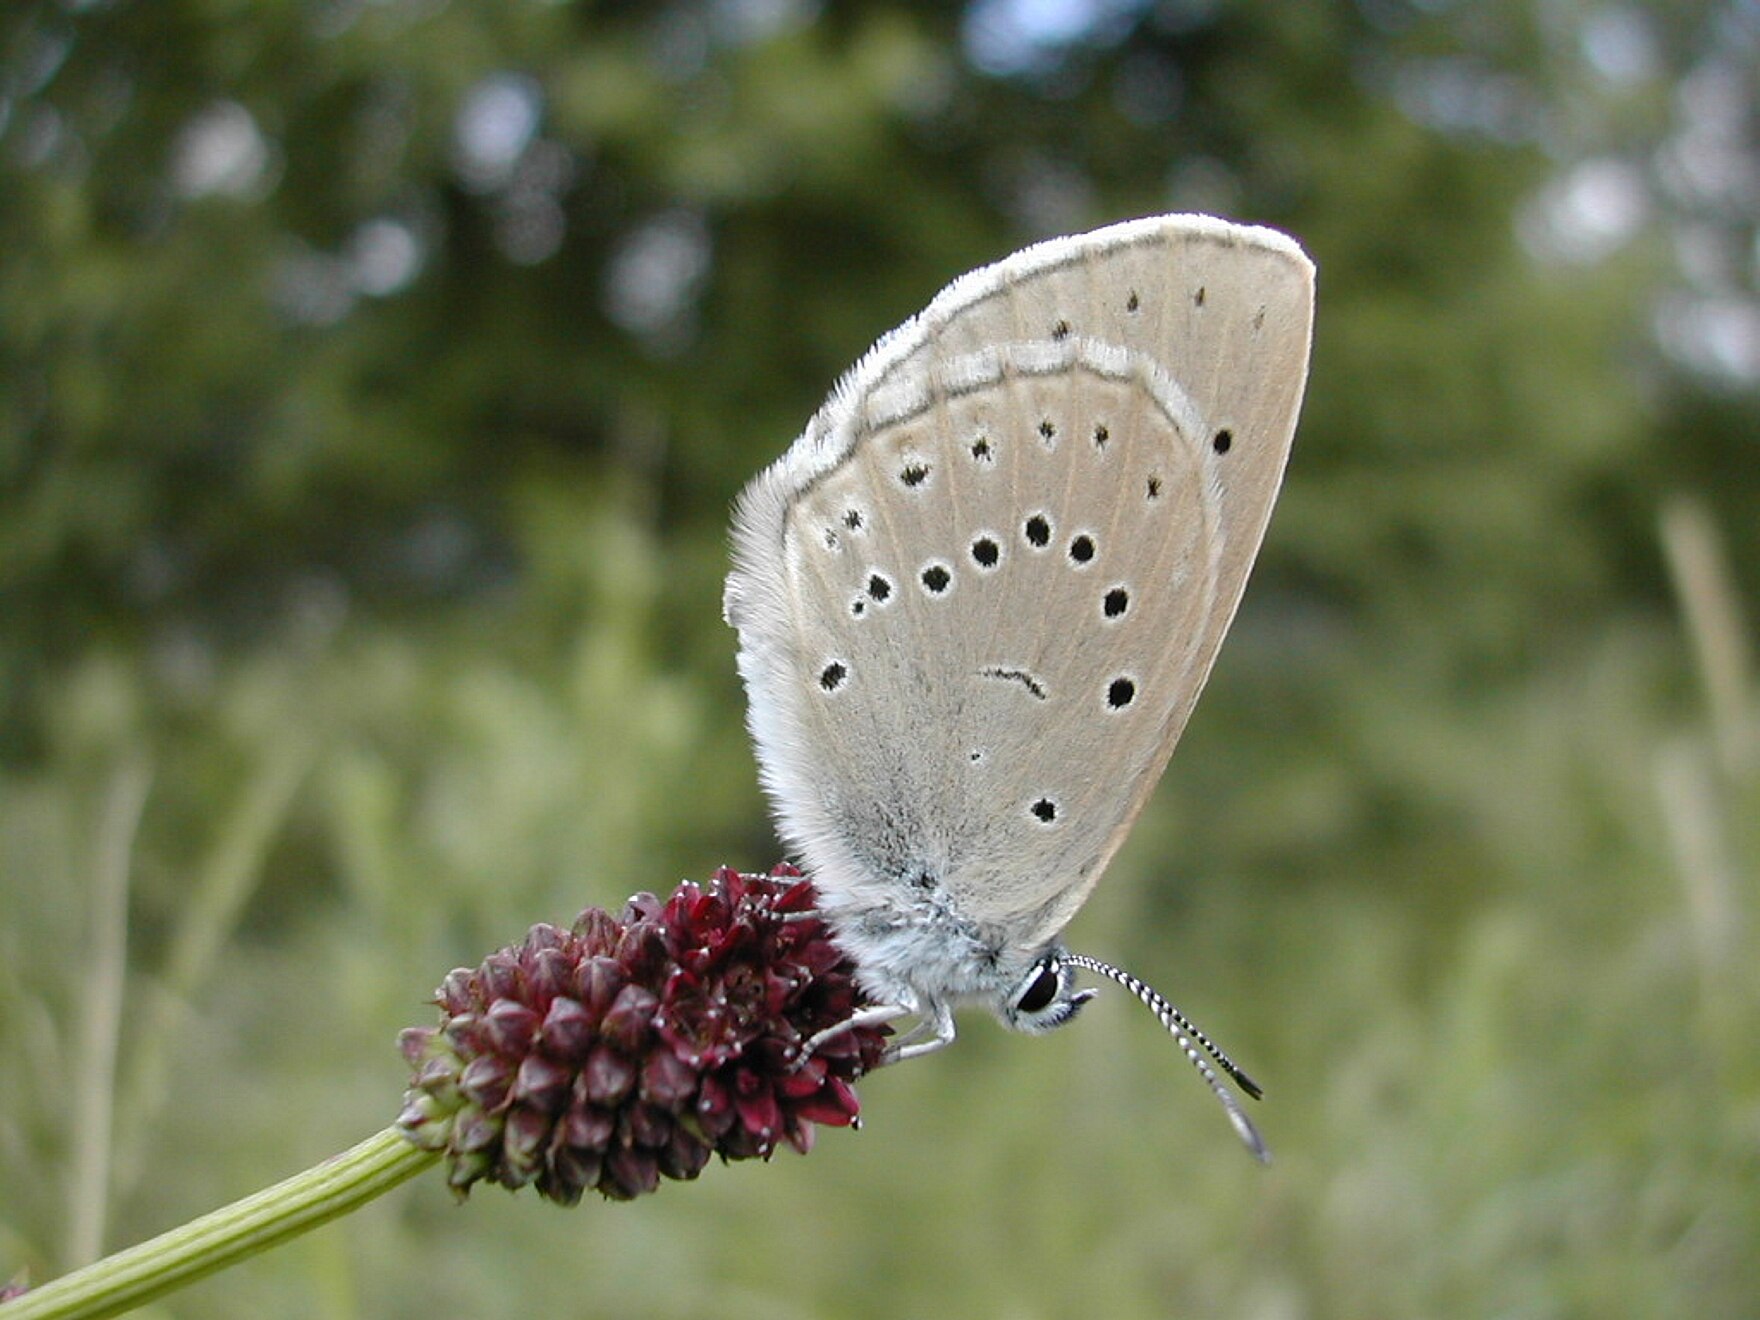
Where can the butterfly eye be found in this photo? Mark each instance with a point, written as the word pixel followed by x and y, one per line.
pixel 1042 991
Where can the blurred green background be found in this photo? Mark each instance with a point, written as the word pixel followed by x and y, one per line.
pixel 377 375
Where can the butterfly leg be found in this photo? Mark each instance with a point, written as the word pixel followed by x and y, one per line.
pixel 876 1016
pixel 936 1025
pixel 933 1031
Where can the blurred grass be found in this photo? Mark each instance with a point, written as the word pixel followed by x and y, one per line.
pixel 1540 1100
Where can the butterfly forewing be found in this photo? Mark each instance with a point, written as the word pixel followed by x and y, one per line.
pixel 1008 550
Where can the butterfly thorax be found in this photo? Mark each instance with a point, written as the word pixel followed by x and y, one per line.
pixel 923 960
pixel 921 952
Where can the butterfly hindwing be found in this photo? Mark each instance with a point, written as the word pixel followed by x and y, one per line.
pixel 978 599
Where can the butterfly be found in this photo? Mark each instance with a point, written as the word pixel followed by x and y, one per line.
pixel 978 597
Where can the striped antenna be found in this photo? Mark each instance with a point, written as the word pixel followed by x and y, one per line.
pixel 1182 1029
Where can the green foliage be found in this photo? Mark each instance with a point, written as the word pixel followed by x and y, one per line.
pixel 374 382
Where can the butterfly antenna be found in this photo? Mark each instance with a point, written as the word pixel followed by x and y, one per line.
pixel 1183 1030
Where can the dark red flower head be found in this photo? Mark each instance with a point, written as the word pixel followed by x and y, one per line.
pixel 607 1055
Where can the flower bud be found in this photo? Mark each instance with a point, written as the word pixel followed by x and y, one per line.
pixel 628 1049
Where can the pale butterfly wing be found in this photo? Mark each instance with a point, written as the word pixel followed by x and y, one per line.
pixel 978 598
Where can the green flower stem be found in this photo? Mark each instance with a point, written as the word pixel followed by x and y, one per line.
pixel 129 1278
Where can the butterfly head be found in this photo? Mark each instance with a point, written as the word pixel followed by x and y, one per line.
pixel 1044 997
